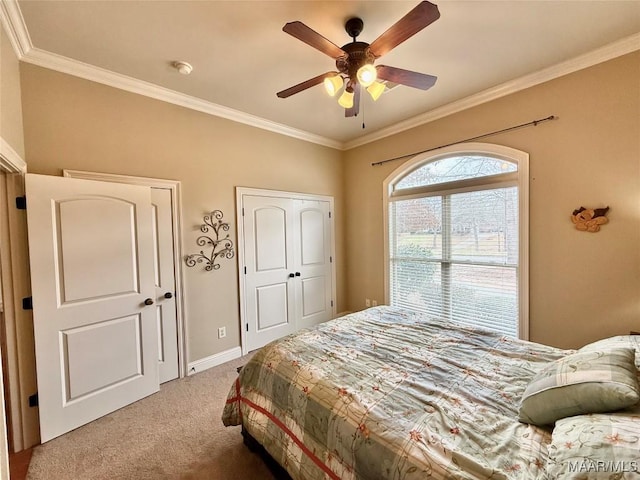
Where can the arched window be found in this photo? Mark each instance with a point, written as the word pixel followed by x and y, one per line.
pixel 457 236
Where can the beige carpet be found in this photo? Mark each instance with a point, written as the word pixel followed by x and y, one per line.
pixel 174 434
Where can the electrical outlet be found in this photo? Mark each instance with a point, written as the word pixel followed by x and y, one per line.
pixel 222 332
pixel 374 303
pixel 367 302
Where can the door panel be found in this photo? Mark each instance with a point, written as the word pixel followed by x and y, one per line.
pixel 85 351
pixel 95 339
pixel 312 226
pixel 313 296
pixel 271 233
pixel 164 281
pixel 84 272
pixel 272 306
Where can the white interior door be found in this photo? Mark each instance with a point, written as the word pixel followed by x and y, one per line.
pixel 165 200
pixel 313 262
pixel 164 280
pixel 270 275
pixel 92 269
pixel 287 273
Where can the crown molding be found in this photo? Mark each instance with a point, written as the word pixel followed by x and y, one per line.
pixel 10 160
pixel 76 68
pixel 13 22
pixel 603 54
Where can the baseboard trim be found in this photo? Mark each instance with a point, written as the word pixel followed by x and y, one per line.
pixel 214 360
pixel 342 314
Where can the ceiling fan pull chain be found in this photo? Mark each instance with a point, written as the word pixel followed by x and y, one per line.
pixel 363 115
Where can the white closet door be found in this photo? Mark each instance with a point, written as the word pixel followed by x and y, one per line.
pixel 313 236
pixel 91 254
pixel 270 281
pixel 287 275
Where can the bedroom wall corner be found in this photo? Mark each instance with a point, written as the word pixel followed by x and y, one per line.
pixel 583 286
pixel 75 124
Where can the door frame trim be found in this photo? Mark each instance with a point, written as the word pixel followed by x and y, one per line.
pixel 176 196
pixel 259 192
pixel 23 427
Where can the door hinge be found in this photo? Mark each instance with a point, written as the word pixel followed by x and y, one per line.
pixel 21 203
pixel 330 259
pixel 245 270
pixel 243 211
pixel 33 400
pixel 27 303
pixel 247 327
pixel 332 303
pixel 329 214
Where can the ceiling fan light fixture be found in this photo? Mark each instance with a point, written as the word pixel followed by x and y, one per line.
pixel 367 74
pixel 354 61
pixel 333 84
pixel 346 100
pixel 375 90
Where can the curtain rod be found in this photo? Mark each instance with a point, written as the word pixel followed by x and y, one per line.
pixel 522 125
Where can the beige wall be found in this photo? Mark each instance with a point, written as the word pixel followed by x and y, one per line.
pixel 583 286
pixel 76 124
pixel 10 106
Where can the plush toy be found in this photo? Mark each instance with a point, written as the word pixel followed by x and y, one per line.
pixel 589 219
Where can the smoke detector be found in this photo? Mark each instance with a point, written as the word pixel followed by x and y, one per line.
pixel 183 67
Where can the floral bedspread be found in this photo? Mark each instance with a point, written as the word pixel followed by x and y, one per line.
pixel 392 394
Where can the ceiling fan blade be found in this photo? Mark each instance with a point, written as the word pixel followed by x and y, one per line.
pixel 313 38
pixel 421 16
pixel 312 82
pixel 353 111
pixel 406 77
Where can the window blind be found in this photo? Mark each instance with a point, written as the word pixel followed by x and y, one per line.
pixel 456 257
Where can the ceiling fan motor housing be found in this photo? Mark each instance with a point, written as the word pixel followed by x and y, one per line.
pixel 357 55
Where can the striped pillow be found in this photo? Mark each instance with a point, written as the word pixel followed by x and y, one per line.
pixel 580 383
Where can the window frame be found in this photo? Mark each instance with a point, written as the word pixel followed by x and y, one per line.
pixel 519 179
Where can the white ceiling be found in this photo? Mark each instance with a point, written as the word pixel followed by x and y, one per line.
pixel 241 56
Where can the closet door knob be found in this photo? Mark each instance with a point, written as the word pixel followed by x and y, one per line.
pixel 168 295
pixel 148 301
pixel 291 275
pixel 297 274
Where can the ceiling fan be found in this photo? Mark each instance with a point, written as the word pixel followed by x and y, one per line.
pixel 354 60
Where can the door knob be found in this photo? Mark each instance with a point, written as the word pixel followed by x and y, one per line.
pixel 148 301
pixel 297 274
pixel 168 295
pixel 291 275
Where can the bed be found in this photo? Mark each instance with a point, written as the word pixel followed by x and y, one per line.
pixel 391 394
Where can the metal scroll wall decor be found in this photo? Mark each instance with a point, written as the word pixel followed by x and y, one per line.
pixel 220 247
